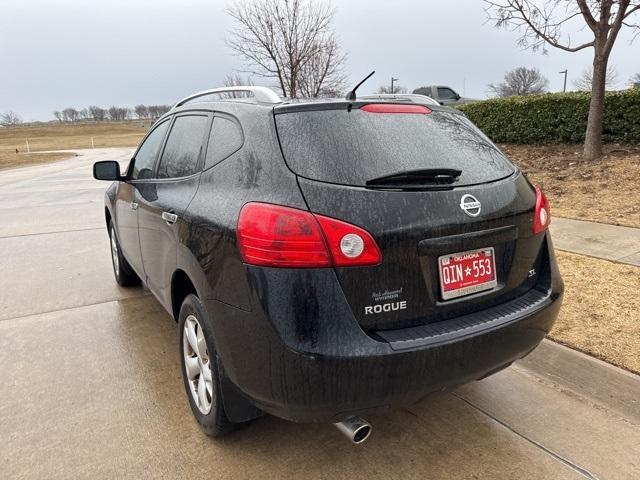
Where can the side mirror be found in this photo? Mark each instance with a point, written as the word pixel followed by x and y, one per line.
pixel 107 170
pixel 457 97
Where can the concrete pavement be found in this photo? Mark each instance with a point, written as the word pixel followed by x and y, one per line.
pixel 90 380
pixel 610 242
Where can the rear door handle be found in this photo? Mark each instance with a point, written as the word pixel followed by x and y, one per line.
pixel 134 206
pixel 169 217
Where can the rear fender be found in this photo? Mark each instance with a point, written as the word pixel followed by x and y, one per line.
pixel 237 406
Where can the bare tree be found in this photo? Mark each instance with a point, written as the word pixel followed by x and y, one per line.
pixel 541 23
pixel 113 113
pixel 236 80
pixel 84 114
pixel 635 80
pixel 141 111
pixel 162 109
pixel 386 89
pixel 156 111
pixel 280 40
pixel 58 115
pixel 10 119
pixel 118 113
pixel 520 81
pixel 70 114
pixel 323 75
pixel 585 80
pixel 98 114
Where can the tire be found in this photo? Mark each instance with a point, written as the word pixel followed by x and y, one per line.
pixel 125 276
pixel 206 404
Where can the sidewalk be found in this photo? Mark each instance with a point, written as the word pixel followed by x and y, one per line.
pixel 610 242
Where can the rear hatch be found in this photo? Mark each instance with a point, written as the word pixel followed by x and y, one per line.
pixel 405 175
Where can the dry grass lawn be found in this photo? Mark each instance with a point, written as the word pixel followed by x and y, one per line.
pixel 10 160
pixel 605 191
pixel 56 136
pixel 601 310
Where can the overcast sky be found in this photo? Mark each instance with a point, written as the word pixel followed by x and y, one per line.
pixel 60 53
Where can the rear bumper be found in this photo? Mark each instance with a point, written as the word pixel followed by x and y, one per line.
pixel 324 368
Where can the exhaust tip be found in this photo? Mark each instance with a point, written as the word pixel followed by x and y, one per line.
pixel 361 434
pixel 355 429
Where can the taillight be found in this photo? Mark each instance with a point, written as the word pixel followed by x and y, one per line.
pixel 542 215
pixel 395 108
pixel 349 245
pixel 277 236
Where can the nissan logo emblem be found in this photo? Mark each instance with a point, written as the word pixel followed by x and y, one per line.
pixel 470 205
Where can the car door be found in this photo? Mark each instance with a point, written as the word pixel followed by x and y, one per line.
pixel 127 199
pixel 164 199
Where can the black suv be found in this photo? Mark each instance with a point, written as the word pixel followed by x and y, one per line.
pixel 331 259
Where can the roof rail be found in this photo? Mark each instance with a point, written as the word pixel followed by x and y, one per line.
pixel 411 97
pixel 260 94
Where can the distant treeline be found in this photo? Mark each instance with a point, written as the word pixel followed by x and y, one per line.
pixel 99 114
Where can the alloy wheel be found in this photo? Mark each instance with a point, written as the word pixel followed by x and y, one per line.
pixel 114 252
pixel 197 364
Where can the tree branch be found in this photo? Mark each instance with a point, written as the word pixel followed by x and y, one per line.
pixel 586 13
pixel 616 26
pixel 632 10
pixel 538 24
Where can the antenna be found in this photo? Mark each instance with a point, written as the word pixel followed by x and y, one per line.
pixel 351 96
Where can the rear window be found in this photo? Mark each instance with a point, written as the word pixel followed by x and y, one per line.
pixel 352 147
pixel 225 139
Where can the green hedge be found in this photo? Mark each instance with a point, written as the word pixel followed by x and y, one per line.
pixel 556 117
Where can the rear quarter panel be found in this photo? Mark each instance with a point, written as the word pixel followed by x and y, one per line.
pixel 256 172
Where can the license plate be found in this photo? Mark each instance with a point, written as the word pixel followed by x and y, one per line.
pixel 468 272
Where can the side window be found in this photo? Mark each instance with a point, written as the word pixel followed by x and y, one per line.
pixel 225 138
pixel 148 152
pixel 184 146
pixel 446 94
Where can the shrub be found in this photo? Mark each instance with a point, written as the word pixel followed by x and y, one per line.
pixel 556 117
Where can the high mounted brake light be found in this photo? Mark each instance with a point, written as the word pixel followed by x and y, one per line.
pixel 276 236
pixel 542 213
pixel 395 108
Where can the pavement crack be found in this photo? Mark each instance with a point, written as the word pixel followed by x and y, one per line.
pixel 559 386
pixel 144 293
pixel 572 465
pixel 51 233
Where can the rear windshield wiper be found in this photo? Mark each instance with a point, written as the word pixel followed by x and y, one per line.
pixel 422 178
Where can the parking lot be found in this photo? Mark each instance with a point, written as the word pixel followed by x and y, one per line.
pixel 91 383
